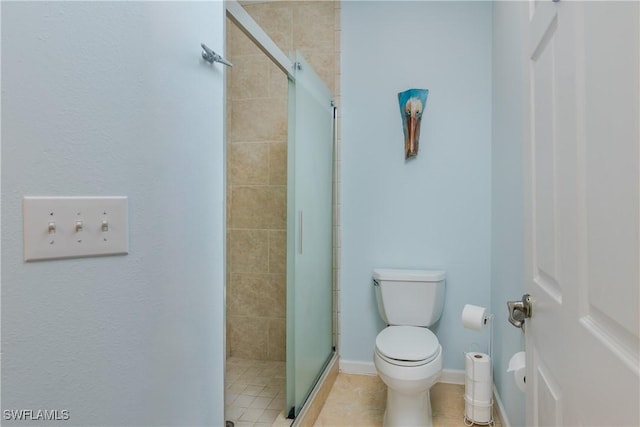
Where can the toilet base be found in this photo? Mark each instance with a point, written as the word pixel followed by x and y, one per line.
pixel 407 409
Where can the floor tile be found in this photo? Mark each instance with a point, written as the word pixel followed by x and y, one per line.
pixel 360 400
pixel 261 403
pixel 243 401
pixel 251 415
pixel 354 400
pixel 251 386
pixel 269 416
pixel 253 390
pixel 269 391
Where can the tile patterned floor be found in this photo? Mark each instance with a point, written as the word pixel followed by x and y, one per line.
pixel 359 401
pixel 254 392
pixel 255 397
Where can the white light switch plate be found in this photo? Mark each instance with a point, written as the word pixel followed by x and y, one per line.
pixel 72 227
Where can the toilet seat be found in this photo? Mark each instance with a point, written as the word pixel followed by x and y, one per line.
pixel 403 363
pixel 407 345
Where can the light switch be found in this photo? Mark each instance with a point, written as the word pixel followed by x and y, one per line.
pixel 72 227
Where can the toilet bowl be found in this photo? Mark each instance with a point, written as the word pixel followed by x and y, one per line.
pixel 408 356
pixel 409 371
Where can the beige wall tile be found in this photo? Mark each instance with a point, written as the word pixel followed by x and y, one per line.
pixel 258 120
pixel 238 43
pixel 256 295
pixel 250 76
pixel 248 163
pixel 229 106
pixel 278 163
pixel 248 337
pixel 258 207
pixel 275 18
pixel 248 251
pixel 313 25
pixel 278 251
pixel 278 82
pixel 277 342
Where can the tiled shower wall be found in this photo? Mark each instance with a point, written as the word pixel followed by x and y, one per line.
pixel 257 166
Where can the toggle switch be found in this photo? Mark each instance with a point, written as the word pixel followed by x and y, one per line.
pixel 73 227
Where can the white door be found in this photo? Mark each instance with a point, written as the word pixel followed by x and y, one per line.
pixel 582 214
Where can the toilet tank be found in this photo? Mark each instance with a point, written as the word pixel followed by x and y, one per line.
pixel 409 297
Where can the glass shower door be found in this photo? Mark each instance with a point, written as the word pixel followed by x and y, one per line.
pixel 309 233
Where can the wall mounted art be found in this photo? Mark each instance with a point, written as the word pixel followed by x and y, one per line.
pixel 412 104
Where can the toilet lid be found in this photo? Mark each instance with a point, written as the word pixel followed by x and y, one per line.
pixel 409 343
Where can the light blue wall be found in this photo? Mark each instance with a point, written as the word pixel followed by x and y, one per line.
pixel 507 257
pixel 111 98
pixel 433 211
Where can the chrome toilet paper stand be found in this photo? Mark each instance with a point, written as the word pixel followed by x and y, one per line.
pixel 470 421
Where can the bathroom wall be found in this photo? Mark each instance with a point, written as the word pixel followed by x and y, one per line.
pixel 257 94
pixel 507 270
pixel 112 98
pixel 433 211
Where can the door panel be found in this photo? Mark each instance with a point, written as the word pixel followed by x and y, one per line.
pixel 548 399
pixel 582 192
pixel 544 145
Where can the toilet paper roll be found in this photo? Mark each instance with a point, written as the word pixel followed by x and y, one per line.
pixel 520 375
pixel 478 366
pixel 479 391
pixel 477 411
pixel 474 317
pixel 517 365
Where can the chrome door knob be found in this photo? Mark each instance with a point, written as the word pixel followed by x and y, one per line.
pixel 520 310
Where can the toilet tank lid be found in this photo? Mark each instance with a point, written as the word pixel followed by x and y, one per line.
pixel 408 275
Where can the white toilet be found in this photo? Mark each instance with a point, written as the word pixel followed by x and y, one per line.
pixel 408 356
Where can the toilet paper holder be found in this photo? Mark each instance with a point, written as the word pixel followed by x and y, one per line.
pixel 520 310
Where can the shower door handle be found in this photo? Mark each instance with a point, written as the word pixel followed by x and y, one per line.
pixel 300 232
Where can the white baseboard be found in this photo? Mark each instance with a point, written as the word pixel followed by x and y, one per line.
pixel 501 410
pixel 452 376
pixel 357 368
